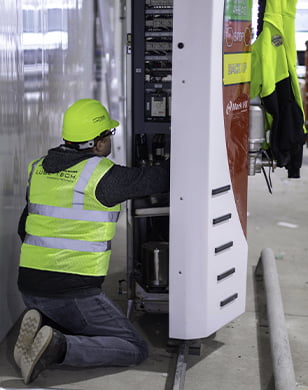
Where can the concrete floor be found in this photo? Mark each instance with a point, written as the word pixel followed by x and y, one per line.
pixel 238 357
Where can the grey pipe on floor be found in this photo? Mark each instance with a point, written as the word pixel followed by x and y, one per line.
pixel 279 340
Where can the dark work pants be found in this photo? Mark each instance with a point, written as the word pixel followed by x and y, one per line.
pixel 96 330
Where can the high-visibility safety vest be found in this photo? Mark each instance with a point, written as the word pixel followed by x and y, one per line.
pixel 274 51
pixel 67 228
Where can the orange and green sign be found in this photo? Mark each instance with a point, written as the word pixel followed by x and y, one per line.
pixel 236 83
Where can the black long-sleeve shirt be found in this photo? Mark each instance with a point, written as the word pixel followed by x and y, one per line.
pixel 119 184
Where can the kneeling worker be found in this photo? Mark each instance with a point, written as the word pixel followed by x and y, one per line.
pixel 73 202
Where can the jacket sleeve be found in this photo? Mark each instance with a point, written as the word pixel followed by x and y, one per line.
pixel 121 183
pixel 22 224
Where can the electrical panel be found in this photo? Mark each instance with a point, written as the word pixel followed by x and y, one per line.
pixel 152 68
pixel 151 41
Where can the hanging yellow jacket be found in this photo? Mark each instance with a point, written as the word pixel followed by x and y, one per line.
pixel 67 229
pixel 274 79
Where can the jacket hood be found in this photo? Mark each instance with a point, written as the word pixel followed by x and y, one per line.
pixel 62 157
pixel 281 14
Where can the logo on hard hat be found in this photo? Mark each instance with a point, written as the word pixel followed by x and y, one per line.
pixel 98 119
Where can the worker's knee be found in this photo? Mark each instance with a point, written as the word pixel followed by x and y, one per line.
pixel 142 354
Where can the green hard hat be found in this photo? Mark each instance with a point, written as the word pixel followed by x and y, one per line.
pixel 86 119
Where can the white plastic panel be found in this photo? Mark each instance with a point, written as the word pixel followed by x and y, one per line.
pixel 199 165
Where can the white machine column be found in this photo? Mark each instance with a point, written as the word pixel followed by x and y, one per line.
pixel 209 137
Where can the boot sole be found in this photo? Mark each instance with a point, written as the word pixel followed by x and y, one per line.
pixel 29 327
pixel 33 354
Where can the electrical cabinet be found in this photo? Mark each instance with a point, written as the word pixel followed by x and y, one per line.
pixel 190 73
pixel 150 142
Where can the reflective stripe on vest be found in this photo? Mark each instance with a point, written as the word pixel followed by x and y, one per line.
pixel 65 243
pixel 72 213
pixel 78 200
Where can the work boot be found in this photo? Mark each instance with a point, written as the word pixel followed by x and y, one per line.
pixel 48 347
pixel 29 327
